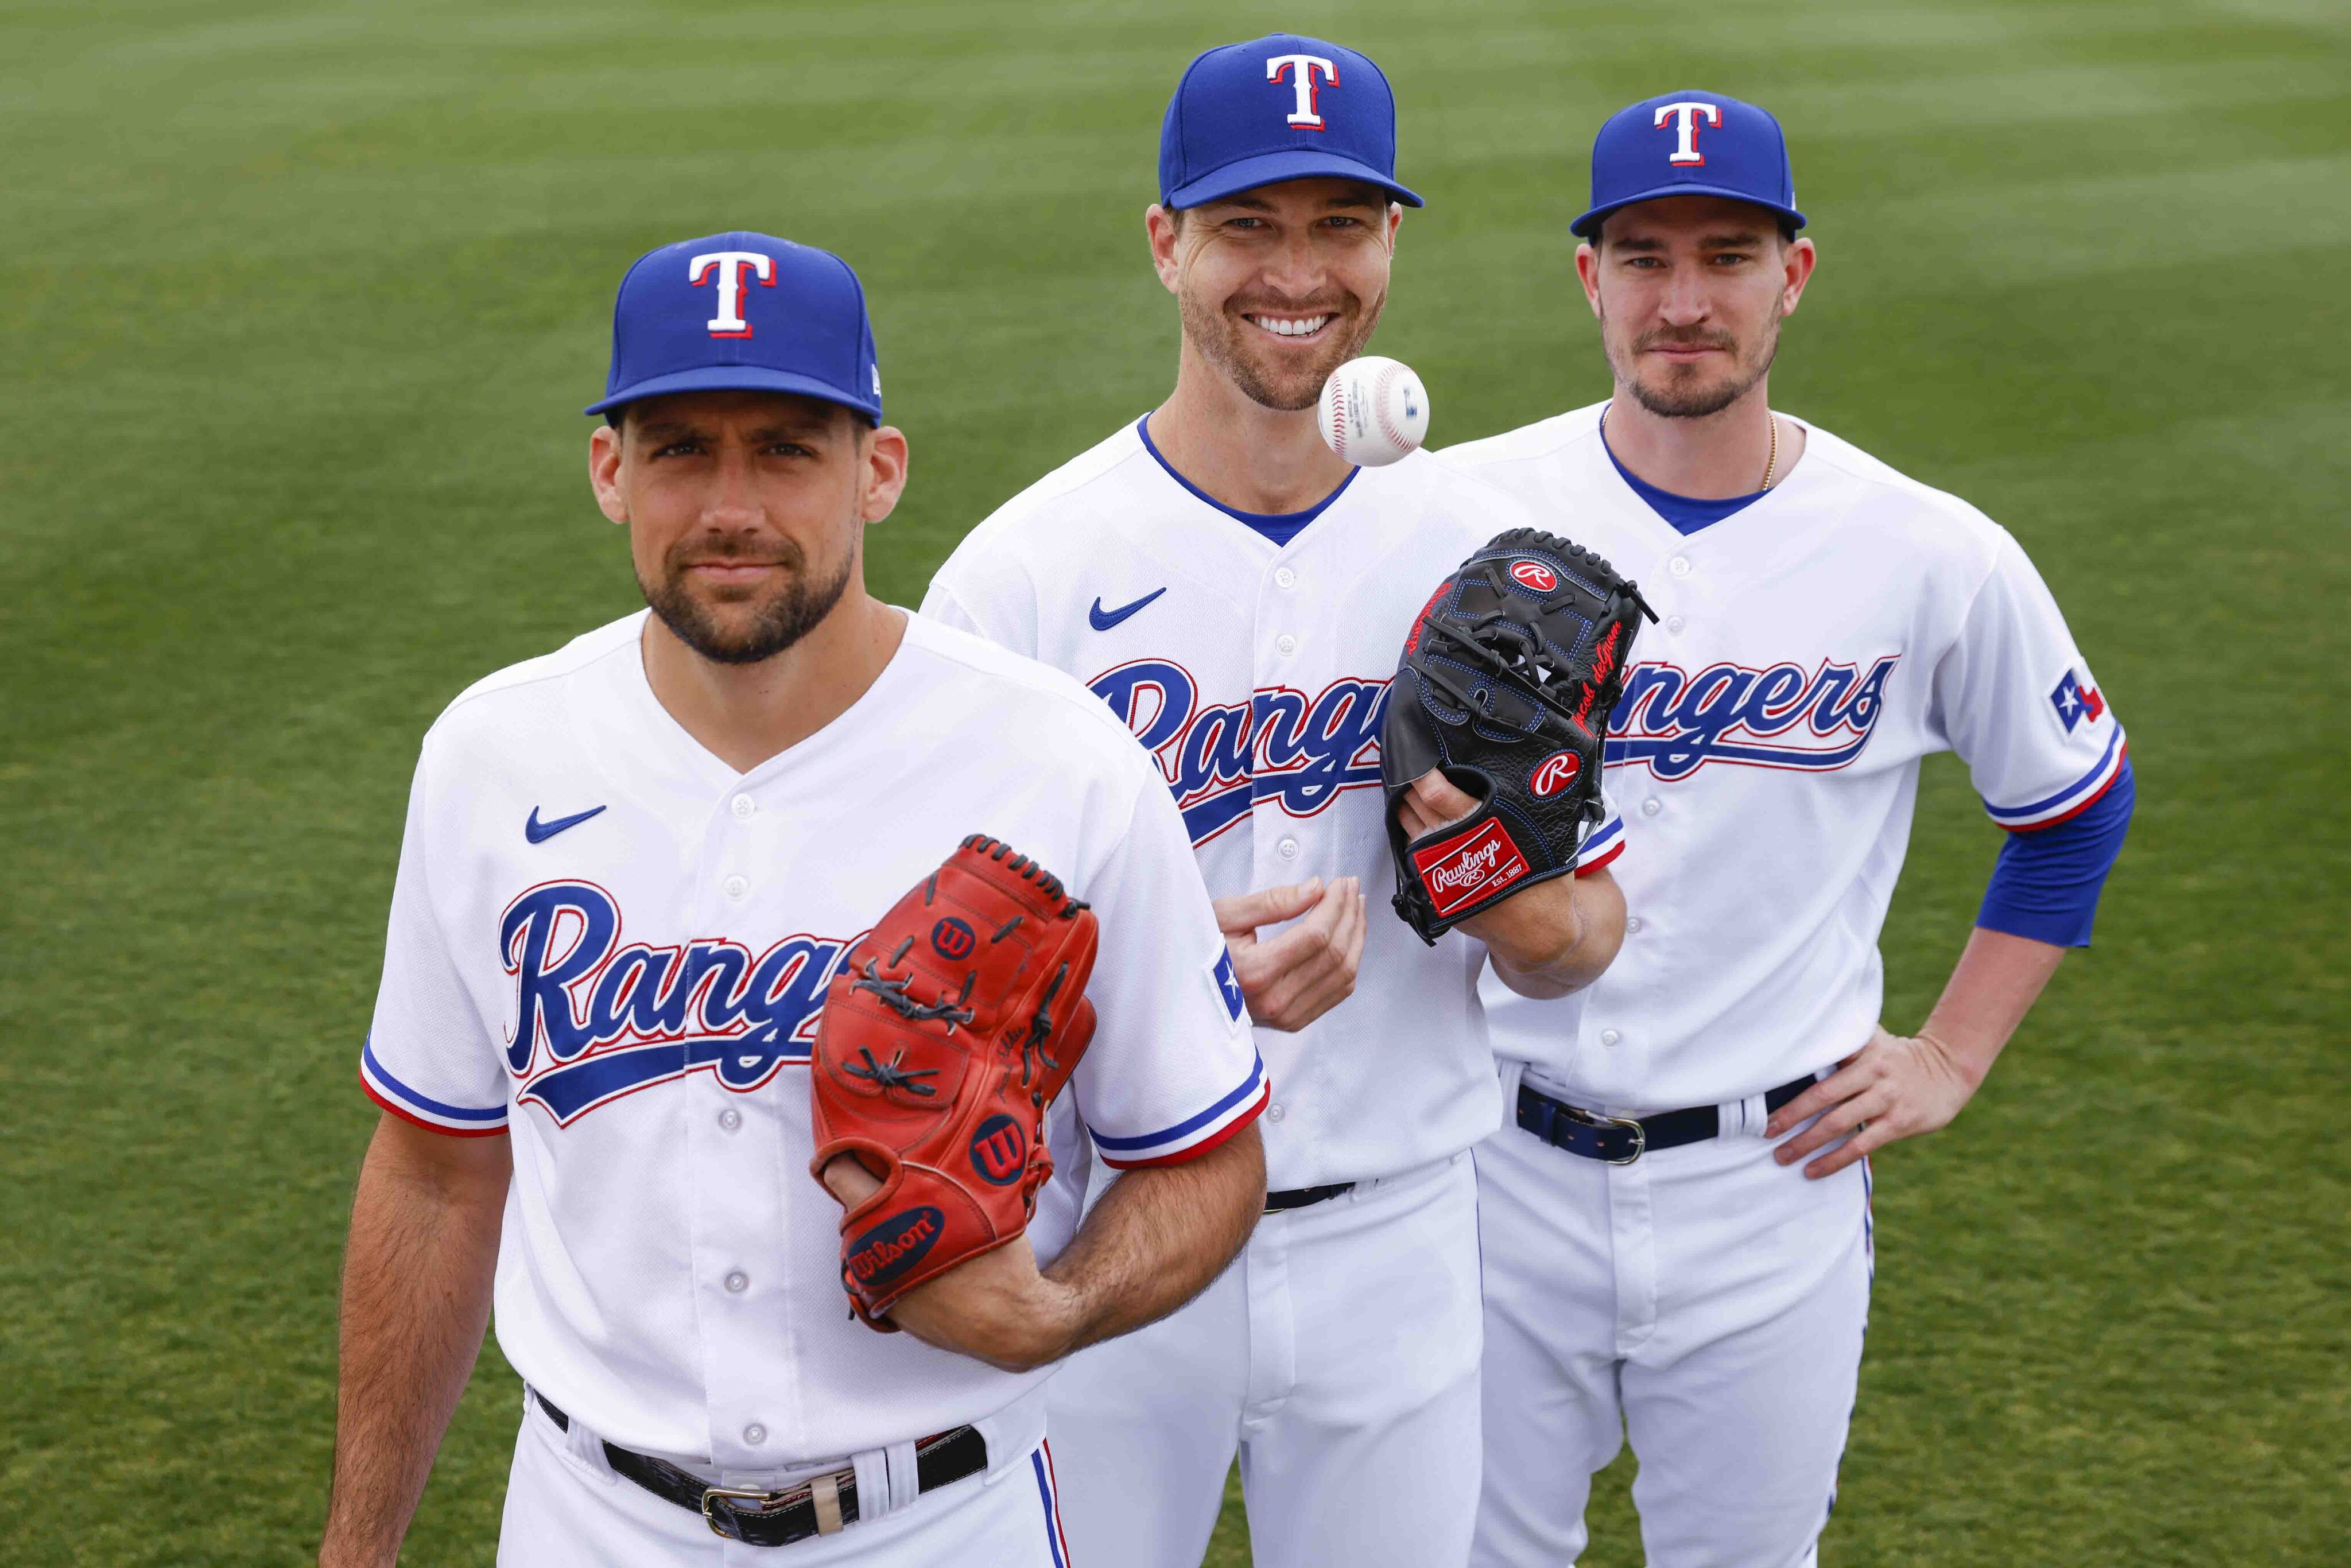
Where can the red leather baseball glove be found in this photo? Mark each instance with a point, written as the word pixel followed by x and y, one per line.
pixel 944 1036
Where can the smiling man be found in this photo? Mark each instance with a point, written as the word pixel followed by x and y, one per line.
pixel 1238 594
pixel 1653 1264
pixel 630 870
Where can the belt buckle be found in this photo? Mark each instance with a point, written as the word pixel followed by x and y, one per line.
pixel 1596 1119
pixel 762 1502
pixel 1640 1139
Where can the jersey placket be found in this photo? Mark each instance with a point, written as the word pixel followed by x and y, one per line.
pixel 737 1148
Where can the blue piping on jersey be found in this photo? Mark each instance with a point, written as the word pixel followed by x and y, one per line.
pixel 1281 527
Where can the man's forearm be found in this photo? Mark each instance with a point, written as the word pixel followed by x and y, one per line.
pixel 1556 938
pixel 416 1299
pixel 1995 983
pixel 1158 1236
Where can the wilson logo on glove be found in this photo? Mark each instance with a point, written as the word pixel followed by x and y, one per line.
pixel 953 938
pixel 1000 1151
pixel 892 1248
pixel 1509 696
pixel 1559 770
pixel 934 1061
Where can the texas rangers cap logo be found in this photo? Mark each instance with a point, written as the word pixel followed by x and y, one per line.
pixel 1557 770
pixel 1686 115
pixel 1299 69
pixel 728 267
pixel 1535 575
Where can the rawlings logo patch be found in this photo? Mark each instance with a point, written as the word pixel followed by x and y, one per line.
pixel 888 1251
pixel 1557 770
pixel 1535 574
pixel 1463 870
pixel 1000 1151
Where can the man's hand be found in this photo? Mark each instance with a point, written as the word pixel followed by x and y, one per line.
pixel 1554 938
pixel 1155 1239
pixel 995 1307
pixel 1294 978
pixel 1899 1086
pixel 1895 1087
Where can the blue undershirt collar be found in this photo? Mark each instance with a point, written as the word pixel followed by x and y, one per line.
pixel 1686 513
pixel 1278 526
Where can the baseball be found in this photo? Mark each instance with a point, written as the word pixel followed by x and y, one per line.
pixel 1373 410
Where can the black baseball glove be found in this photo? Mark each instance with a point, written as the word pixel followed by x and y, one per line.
pixel 1506 682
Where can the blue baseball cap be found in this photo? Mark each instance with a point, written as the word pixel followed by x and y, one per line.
pixel 1283 107
pixel 1690 144
pixel 743 312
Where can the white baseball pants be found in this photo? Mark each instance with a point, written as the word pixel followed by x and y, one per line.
pixel 565 1509
pixel 1704 1300
pixel 1339 1355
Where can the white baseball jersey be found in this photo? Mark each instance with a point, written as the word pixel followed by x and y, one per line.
pixel 1812 648
pixel 608 943
pixel 1257 675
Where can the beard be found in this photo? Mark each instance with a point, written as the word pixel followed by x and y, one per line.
pixel 1681 392
pixel 771 625
pixel 1224 339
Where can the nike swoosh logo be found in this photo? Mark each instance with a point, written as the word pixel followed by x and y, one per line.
pixel 1103 620
pixel 539 832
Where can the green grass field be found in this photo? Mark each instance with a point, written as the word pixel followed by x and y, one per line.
pixel 298 305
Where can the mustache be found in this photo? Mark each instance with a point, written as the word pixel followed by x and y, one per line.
pixel 1685 338
pixel 733 549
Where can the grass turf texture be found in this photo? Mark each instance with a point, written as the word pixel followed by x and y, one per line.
pixel 299 302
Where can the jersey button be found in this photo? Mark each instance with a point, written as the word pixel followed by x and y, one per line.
pixel 738 888
pixel 755 1434
pixel 1652 805
pixel 730 1118
pixel 1609 1037
pixel 1287 849
pixel 1284 577
pixel 738 1281
pixel 1673 624
pixel 1285 643
pixel 742 806
pixel 1273 1112
pixel 1632 926
pixel 1679 566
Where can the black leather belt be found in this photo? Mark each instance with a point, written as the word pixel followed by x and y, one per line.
pixel 1301 1197
pixel 1621 1140
pixel 818 1505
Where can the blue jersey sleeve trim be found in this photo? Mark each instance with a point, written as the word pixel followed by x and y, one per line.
pixel 375 1070
pixel 1190 1124
pixel 2066 798
pixel 2046 883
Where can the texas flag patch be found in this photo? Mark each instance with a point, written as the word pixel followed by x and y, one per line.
pixel 2075 701
pixel 1229 984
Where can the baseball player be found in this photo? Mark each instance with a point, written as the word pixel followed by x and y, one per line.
pixel 631 868
pixel 1661 1258
pixel 1238 595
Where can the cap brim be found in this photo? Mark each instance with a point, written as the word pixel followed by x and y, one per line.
pixel 1589 223
pixel 1273 169
pixel 736 378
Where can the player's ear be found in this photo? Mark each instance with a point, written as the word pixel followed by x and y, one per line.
pixel 883 454
pixel 1800 259
pixel 604 449
pixel 1588 272
pixel 1396 222
pixel 1161 228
